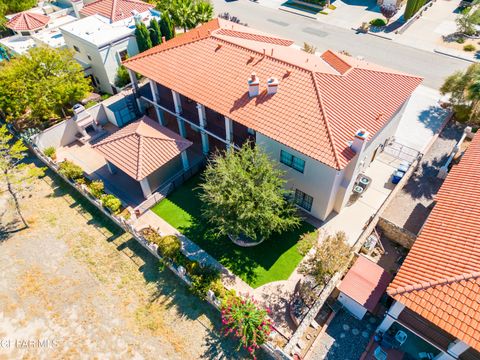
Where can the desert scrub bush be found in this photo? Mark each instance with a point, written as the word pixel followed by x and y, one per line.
pixel 203 280
pixel 112 203
pixel 50 152
pixel 70 170
pixel 469 48
pixel 306 242
pixel 378 22
pixel 96 188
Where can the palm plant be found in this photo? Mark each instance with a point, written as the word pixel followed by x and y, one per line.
pixel 203 12
pixel 183 14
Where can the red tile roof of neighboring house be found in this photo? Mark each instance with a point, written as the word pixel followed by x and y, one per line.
pixel 115 10
pixel 365 283
pixel 141 147
pixel 321 101
pixel 440 278
pixel 27 21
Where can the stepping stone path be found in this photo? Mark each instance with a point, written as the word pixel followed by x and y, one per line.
pixel 355 332
pixel 346 327
pixel 365 334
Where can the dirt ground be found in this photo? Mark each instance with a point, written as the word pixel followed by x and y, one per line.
pixel 73 286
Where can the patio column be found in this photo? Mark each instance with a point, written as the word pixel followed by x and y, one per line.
pixel 185 162
pixel 158 111
pixel 391 316
pixel 455 349
pixel 228 132
pixel 111 168
pixel 134 81
pixel 178 110
pixel 202 117
pixel 147 191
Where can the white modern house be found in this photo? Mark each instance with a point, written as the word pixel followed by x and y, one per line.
pixel 105 36
pixel 323 118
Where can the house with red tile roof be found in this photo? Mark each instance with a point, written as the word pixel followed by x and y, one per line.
pixel 437 289
pixel 323 118
pixel 104 36
pixel 26 23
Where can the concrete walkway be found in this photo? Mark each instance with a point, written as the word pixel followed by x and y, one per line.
pixel 192 250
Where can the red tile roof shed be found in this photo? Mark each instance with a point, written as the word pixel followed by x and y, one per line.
pixel 115 10
pixel 27 21
pixel 440 278
pixel 365 283
pixel 141 147
pixel 321 101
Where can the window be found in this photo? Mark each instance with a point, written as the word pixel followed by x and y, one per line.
pixel 303 200
pixel 89 57
pixel 292 161
pixel 122 56
pixel 76 48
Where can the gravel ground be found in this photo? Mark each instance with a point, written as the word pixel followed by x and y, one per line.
pixel 410 208
pixel 76 287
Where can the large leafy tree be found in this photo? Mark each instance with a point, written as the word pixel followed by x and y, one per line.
pixel 143 37
pixel 41 86
pixel 187 14
pixel 15 174
pixel 244 195
pixel 464 91
pixel 203 12
pixel 330 257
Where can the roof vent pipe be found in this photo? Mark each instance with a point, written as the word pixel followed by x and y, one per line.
pixel 253 85
pixel 359 141
pixel 272 86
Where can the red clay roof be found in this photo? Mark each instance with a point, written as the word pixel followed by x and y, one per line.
pixel 115 10
pixel 319 105
pixel 365 283
pixel 440 278
pixel 27 21
pixel 141 147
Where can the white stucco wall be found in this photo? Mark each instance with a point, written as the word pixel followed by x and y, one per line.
pixel 352 306
pixel 317 180
pixel 58 135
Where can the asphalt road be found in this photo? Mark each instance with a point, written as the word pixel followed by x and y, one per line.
pixel 433 67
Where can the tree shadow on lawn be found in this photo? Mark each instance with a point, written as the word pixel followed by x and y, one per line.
pixel 273 260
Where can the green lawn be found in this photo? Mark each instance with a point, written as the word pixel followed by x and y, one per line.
pixel 273 260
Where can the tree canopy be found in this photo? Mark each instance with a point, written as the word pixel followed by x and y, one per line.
pixel 166 26
pixel 244 195
pixel 464 91
pixel 187 14
pixel 41 86
pixel 155 33
pixel 143 37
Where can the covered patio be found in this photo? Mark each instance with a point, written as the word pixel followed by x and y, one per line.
pixel 147 152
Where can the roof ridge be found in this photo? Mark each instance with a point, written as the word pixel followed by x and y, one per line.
pixel 329 131
pixel 428 284
pixel 140 151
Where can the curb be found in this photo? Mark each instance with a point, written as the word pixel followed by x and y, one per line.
pixel 297 12
pixel 453 55
pixel 373 34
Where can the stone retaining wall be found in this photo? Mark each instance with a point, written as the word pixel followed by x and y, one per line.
pixel 397 233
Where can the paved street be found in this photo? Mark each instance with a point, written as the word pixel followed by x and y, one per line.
pixel 433 67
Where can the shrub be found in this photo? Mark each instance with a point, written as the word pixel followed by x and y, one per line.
pixel 96 188
pixel 310 49
pixel 469 47
pixel 70 170
pixel 460 40
pixel 244 319
pixel 306 242
pixel 169 247
pixel 90 103
pixel 112 203
pixel 203 280
pixel 50 152
pixel 332 7
pixel 378 22
pixel 388 10
pixel 218 288
pixel 122 78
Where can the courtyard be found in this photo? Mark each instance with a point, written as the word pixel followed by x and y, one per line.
pixel 273 260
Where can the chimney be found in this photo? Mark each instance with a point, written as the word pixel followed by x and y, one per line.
pixel 253 85
pixel 163 39
pixel 272 86
pixel 359 141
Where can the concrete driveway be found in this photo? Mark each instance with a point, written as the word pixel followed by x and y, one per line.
pixel 422 119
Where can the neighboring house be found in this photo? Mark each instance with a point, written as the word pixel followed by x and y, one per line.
pixel 437 289
pixel 106 36
pixel 37 27
pixel 323 118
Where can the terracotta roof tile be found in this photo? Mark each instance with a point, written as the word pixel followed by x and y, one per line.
pixel 317 109
pixel 27 21
pixel 141 147
pixel 443 266
pixel 115 10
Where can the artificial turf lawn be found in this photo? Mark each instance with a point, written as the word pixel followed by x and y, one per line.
pixel 273 260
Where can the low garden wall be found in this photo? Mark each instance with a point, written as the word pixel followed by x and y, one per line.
pixel 271 349
pixel 397 233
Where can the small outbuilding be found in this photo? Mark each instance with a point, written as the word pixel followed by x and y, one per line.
pixel 363 286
